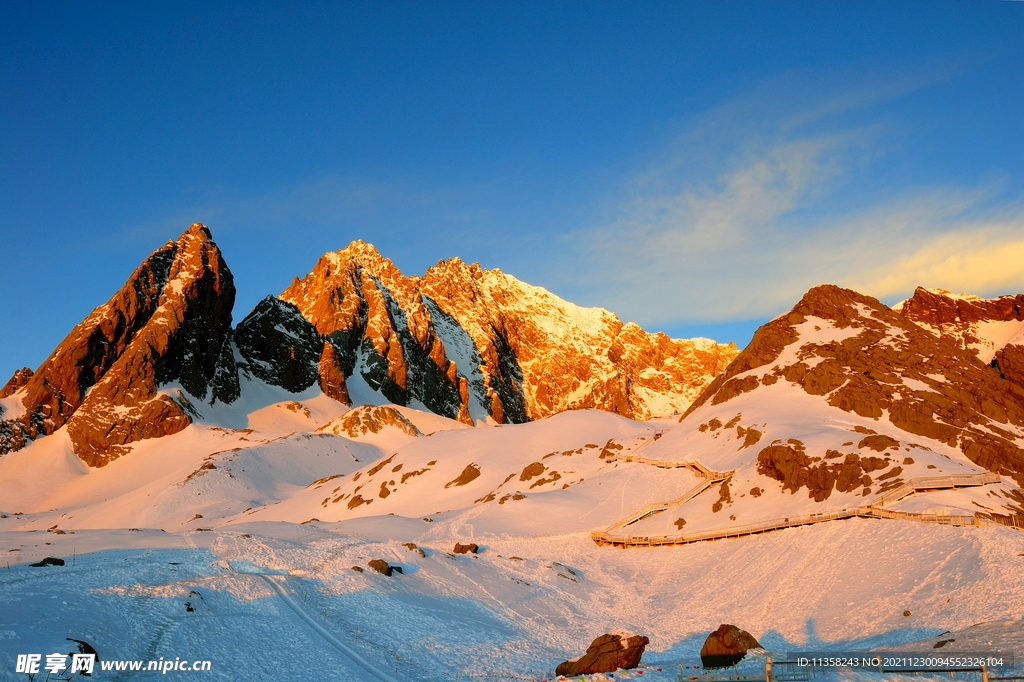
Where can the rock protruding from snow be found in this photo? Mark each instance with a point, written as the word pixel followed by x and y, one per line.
pixel 169 324
pixel 383 567
pixel 726 646
pixel 606 654
pixel 370 419
pixel 992 329
pixel 16 382
pixel 865 359
pixel 474 344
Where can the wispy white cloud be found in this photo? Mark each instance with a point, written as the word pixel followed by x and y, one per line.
pixel 784 212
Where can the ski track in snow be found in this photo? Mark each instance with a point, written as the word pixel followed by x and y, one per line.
pixel 363 664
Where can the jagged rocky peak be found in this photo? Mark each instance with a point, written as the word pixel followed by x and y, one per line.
pixel 867 360
pixel 19 379
pixel 992 328
pixel 380 329
pixel 476 344
pixel 167 327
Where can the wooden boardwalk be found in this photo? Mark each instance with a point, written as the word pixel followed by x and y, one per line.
pixel 875 510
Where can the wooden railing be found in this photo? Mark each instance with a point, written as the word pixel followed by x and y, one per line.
pixel 935 483
pixel 873 510
pixel 695 467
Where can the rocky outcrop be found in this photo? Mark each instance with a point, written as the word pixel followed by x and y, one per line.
pixel 279 346
pixel 474 344
pixel 878 364
pixel 992 329
pixel 168 327
pixel 332 376
pixel 369 419
pixel 726 647
pixel 606 654
pixel 19 379
pixel 939 308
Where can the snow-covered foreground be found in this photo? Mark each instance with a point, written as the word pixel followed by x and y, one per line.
pixel 234 541
pixel 516 610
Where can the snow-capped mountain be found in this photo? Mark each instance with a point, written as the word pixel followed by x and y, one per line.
pixel 843 405
pixel 462 342
pixel 477 345
pixel 123 373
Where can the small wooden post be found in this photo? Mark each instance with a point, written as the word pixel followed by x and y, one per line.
pixel 984 673
pixel 768 669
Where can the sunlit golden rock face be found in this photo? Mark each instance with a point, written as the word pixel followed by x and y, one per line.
pixel 992 329
pixel 471 343
pixel 169 325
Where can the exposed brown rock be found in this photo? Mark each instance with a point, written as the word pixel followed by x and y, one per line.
pixel 332 376
pixel 888 365
pixel 937 307
pixel 790 465
pixel 1009 361
pixel 879 443
pixel 169 324
pixel 467 548
pixel 958 319
pixel 531 470
pixel 367 419
pixel 606 654
pixel 726 646
pixel 17 380
pixel 383 567
pixel 470 473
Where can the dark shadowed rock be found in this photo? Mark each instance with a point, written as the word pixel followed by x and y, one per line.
pixel 726 647
pixel 49 561
pixel 279 345
pixel 606 654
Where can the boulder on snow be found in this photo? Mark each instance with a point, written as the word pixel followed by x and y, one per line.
pixel 726 646
pixel 384 567
pixel 606 654
pixel 49 561
pixel 468 548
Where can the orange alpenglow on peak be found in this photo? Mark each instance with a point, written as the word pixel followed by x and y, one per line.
pixel 169 324
pixel 462 341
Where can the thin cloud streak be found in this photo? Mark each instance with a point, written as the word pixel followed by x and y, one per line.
pixel 783 214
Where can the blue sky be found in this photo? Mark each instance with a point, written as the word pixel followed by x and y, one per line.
pixel 694 167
